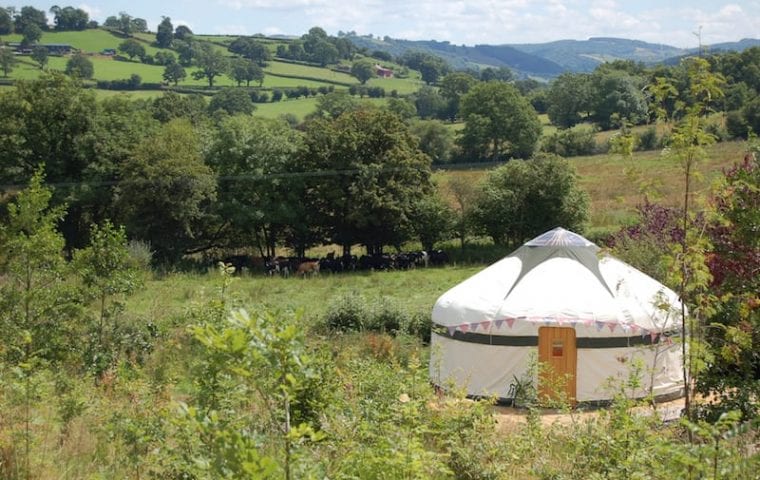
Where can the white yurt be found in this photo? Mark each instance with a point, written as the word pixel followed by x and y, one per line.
pixel 559 302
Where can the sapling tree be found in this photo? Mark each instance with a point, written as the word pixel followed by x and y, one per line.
pixel 108 274
pixel 688 259
pixel 268 353
pixel 37 308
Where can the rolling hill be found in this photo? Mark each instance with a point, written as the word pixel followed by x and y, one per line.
pixel 544 60
pixel 279 74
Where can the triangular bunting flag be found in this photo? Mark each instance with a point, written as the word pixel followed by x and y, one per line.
pixel 474 326
pixel 510 322
pixel 634 328
pixel 653 336
pixel 599 326
pixel 560 321
pixel 625 327
pixel 498 323
pixel 451 329
pixel 464 327
pixel 588 322
pixel 485 325
pixel 611 326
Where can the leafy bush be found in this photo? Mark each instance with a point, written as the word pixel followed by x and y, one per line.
pixel 571 142
pixel 648 139
pixel 736 125
pixel 347 313
pixel 141 254
pixel 131 83
pixel 376 92
pixel 352 312
pixel 387 316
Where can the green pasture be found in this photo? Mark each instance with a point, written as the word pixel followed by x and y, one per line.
pixel 299 107
pixel 403 86
pixel 283 68
pixel 414 290
pixel 133 94
pixel 546 125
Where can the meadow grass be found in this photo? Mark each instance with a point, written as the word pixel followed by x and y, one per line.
pixel 284 68
pixel 300 107
pixel 614 193
pixel 546 125
pixel 132 94
pixel 403 86
pixel 415 290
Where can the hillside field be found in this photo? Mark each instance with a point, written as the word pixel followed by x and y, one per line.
pixel 279 74
pixel 614 193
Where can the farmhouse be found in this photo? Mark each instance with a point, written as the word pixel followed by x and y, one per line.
pixel 383 72
pixel 52 48
pixel 58 48
pixel 586 318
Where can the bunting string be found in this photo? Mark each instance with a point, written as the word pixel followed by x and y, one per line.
pixel 487 326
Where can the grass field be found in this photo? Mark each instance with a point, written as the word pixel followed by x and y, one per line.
pixel 284 68
pixel 109 68
pixel 614 194
pixel 414 290
pixel 300 107
pixel 403 86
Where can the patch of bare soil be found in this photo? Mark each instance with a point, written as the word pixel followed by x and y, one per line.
pixel 508 418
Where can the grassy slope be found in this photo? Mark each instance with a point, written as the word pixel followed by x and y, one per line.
pixel 614 195
pixel 94 41
pixel 284 68
pixel 300 108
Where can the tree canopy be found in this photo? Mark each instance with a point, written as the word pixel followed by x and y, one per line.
pixel 70 18
pixel 524 198
pixel 499 123
pixel 363 70
pixel 132 48
pixel 80 66
pixel 377 175
pixel 166 191
pixel 165 33
pixel 211 63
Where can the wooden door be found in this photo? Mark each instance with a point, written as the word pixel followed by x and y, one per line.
pixel 558 355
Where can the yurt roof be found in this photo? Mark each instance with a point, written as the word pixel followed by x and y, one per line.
pixel 559 278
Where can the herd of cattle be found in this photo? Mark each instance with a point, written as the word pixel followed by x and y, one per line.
pixel 287 266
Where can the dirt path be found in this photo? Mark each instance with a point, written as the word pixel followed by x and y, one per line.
pixel 508 418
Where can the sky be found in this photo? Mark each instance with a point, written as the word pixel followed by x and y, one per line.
pixel 470 22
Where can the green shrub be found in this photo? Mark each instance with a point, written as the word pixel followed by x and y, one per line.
pixel 571 142
pixel 387 316
pixel 352 313
pixel 736 125
pixel 140 253
pixel 347 313
pixel 648 139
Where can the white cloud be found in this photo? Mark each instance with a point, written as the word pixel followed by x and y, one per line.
pixel 179 22
pixel 93 12
pixel 232 30
pixel 274 4
pixel 272 31
pixel 506 21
